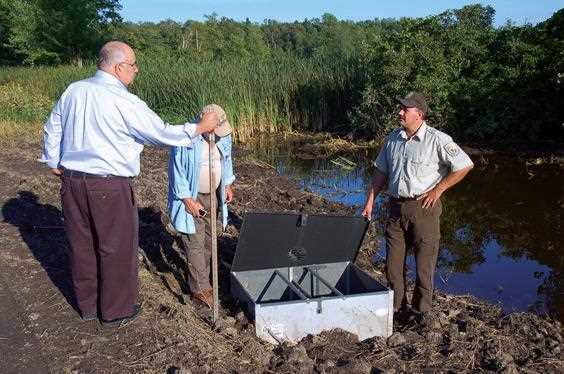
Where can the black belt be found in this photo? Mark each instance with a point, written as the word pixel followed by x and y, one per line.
pixel 80 174
pixel 403 199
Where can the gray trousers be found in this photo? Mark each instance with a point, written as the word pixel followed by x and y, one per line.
pixel 412 226
pixel 197 248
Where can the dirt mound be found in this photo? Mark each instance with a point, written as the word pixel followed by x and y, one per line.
pixel 458 335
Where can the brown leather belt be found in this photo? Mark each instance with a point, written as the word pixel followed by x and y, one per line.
pixel 403 199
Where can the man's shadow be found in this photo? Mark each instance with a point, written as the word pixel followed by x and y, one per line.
pixel 162 254
pixel 160 251
pixel 41 228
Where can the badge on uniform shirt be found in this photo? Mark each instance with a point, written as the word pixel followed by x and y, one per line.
pixel 452 149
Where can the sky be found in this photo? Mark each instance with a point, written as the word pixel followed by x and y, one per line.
pixel 518 11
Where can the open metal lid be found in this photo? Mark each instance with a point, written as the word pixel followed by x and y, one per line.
pixel 283 240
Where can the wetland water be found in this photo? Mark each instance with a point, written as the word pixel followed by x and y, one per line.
pixel 501 227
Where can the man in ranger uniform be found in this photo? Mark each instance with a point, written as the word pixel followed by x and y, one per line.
pixel 416 165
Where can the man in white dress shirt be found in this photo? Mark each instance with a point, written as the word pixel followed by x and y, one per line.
pixel 93 139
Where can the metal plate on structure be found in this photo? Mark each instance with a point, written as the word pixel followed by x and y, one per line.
pixel 280 240
pixel 292 265
pixel 364 315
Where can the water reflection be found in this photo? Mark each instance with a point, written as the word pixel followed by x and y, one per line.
pixel 501 227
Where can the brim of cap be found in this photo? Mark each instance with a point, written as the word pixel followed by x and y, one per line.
pixel 223 130
pixel 406 102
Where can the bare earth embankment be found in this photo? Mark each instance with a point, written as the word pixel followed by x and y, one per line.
pixel 42 332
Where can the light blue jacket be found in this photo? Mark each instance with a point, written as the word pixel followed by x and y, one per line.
pixel 183 175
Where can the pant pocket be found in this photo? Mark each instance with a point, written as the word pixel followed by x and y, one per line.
pixel 64 187
pixel 132 191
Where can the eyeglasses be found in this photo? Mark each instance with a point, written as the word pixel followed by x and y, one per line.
pixel 134 64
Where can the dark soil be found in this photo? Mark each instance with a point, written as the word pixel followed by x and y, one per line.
pixel 41 330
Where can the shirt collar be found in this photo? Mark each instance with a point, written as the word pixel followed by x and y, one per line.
pixel 419 135
pixel 109 79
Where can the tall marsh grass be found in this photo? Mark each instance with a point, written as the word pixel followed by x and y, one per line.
pixel 28 94
pixel 278 94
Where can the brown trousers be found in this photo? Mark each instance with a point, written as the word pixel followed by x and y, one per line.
pixel 101 222
pixel 197 248
pixel 411 226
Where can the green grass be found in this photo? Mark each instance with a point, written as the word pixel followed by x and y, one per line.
pixel 279 94
pixel 27 96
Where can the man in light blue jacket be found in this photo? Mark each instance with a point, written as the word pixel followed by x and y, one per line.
pixel 189 199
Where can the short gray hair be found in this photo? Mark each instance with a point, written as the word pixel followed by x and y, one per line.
pixel 111 53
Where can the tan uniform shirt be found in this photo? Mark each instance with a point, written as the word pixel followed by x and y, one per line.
pixel 416 165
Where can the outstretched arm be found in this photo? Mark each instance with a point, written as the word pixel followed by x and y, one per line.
pixel 149 128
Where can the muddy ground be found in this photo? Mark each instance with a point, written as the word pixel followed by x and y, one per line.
pixel 40 330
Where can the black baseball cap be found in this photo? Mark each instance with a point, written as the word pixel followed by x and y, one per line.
pixel 414 100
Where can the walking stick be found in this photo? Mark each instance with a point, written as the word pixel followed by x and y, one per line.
pixel 213 224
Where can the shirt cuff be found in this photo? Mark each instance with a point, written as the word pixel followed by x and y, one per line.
pixel 190 129
pixel 53 164
pixel 183 195
pixel 462 166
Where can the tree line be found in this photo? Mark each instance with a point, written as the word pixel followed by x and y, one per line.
pixel 485 83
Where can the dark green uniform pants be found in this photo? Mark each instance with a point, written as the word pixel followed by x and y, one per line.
pixel 411 226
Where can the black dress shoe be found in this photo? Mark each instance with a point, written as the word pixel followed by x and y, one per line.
pixel 122 321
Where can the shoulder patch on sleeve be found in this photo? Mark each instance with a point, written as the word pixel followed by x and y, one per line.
pixel 452 149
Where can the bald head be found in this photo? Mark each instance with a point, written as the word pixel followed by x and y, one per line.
pixel 113 53
pixel 118 59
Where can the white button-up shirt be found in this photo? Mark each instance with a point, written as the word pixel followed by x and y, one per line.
pixel 415 165
pixel 98 127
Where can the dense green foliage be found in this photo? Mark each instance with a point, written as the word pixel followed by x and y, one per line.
pixel 484 83
pixel 54 31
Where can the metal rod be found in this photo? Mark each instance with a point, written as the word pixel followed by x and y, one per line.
pixel 316 274
pixel 306 294
pixel 298 283
pixel 278 340
pixel 266 287
pixel 213 224
pixel 291 285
